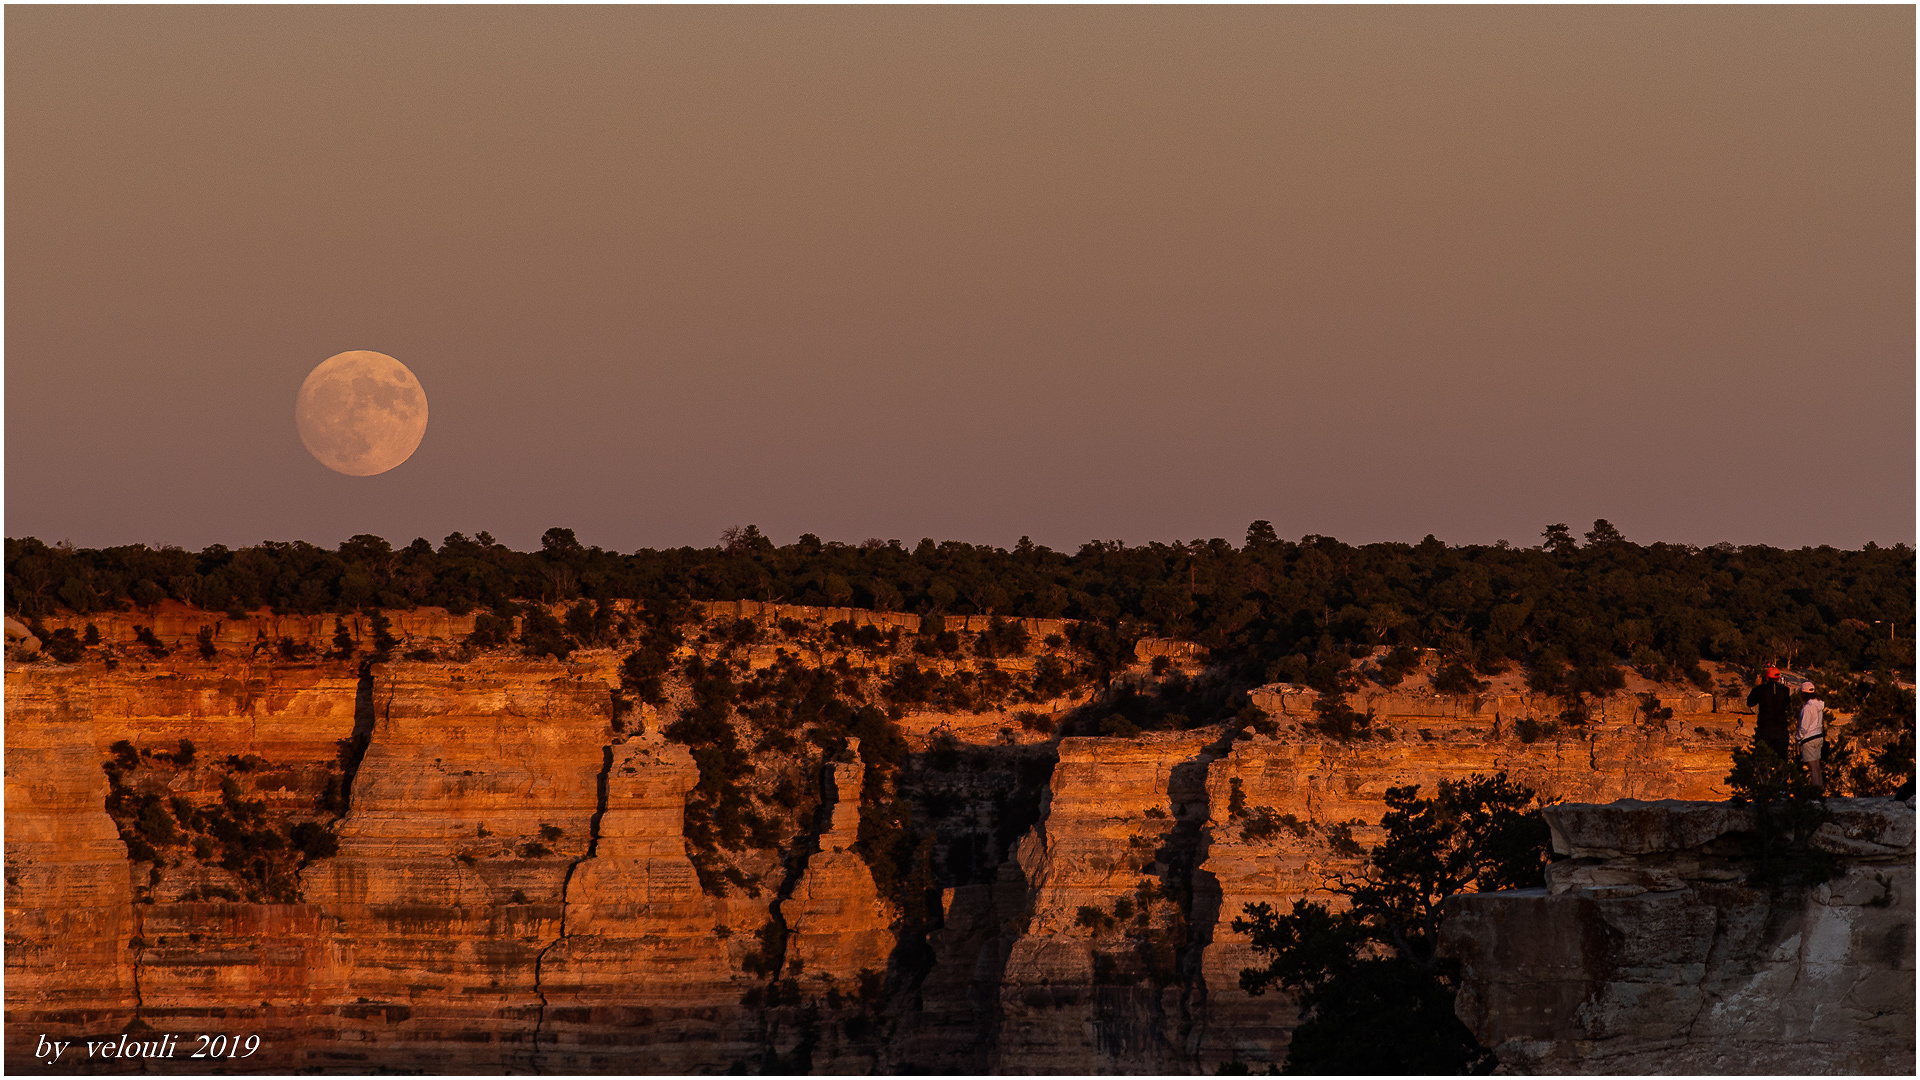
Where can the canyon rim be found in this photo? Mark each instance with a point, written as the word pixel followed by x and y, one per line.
pixel 391 840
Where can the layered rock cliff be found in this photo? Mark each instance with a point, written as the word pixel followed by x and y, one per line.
pixel 1654 949
pixel 69 900
pixel 472 861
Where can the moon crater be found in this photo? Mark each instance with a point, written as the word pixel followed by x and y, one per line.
pixel 361 413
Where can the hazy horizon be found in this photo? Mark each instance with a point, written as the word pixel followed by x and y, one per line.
pixel 1576 531
pixel 968 273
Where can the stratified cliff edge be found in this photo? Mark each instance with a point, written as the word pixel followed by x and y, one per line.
pixel 466 861
pixel 1650 952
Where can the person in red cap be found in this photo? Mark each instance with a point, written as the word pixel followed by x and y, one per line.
pixel 1770 698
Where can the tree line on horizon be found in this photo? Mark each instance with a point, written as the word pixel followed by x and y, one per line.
pixel 1269 609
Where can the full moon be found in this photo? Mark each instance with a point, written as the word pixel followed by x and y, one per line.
pixel 361 413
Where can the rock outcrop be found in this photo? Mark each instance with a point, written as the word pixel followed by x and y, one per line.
pixel 1290 813
pixel 836 921
pixel 1651 949
pixel 469 809
pixel 1092 984
pixel 646 977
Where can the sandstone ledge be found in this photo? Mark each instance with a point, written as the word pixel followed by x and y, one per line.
pixel 1649 952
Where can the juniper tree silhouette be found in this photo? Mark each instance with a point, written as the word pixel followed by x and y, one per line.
pixel 1374 994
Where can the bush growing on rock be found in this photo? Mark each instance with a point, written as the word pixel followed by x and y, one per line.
pixel 315 841
pixel 343 641
pixel 1373 969
pixel 1457 679
pixel 1093 918
pixel 65 646
pixel 1030 720
pixel 1340 838
pixel 1399 662
pixel 155 824
pixel 591 622
pixel 1333 716
pixel 383 640
pixel 491 630
pixel 542 635
pixel 643 674
pixel 1256 719
pixel 938 643
pixel 1880 745
pixel 1530 730
pixel 145 636
pixel 1051 679
pixel 1264 823
pixel 1004 638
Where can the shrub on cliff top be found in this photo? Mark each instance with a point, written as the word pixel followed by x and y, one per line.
pixel 1457 679
pixel 491 630
pixel 1333 716
pixel 343 642
pixel 1882 758
pixel 542 635
pixel 383 640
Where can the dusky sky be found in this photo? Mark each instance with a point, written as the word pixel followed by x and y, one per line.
pixel 968 273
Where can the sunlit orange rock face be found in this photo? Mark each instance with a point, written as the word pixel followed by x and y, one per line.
pixel 511 887
pixel 836 917
pixel 69 905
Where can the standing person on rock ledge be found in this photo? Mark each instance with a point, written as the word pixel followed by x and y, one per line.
pixel 1812 733
pixel 1770 697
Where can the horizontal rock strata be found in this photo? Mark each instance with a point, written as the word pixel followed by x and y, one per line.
pixel 513 887
pixel 1649 951
pixel 70 918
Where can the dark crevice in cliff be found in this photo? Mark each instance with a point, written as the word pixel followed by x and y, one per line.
pixel 943 978
pixel 539 988
pixel 1194 890
pixel 779 999
pixel 353 749
pixel 136 950
pixel 600 806
pixel 593 847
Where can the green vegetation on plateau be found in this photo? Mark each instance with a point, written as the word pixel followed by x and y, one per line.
pixel 1269 609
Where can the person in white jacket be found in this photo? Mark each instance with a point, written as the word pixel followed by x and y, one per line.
pixel 1811 735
